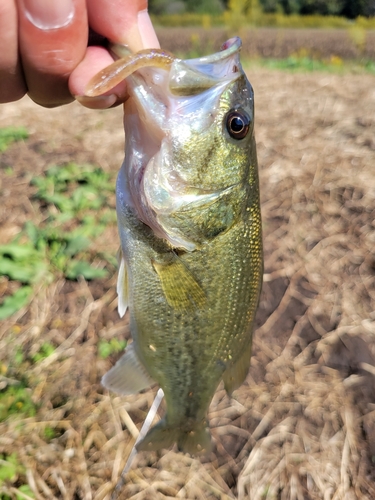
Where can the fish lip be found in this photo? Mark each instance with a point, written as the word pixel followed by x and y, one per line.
pixel 216 69
pixel 227 50
pixel 193 76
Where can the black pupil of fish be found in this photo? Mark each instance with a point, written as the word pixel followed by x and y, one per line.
pixel 237 125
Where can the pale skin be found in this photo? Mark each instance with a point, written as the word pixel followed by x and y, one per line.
pixel 45 51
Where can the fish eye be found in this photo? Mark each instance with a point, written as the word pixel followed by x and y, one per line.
pixel 237 123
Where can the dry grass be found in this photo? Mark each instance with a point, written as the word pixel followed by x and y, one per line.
pixel 303 425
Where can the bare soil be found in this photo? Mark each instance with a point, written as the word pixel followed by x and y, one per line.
pixel 302 426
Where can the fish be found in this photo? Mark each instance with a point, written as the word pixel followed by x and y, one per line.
pixel 189 220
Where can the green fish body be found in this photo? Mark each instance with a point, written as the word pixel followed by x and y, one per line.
pixel 190 227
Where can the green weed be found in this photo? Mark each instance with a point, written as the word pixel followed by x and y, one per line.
pixel 106 348
pixel 45 350
pixel 11 472
pixel 11 134
pixel 16 400
pixel 49 433
pixel 74 202
pixel 15 302
pixel 19 357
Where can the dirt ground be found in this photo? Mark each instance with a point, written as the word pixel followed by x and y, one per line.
pixel 302 426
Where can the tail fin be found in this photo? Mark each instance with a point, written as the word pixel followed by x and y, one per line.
pixel 195 441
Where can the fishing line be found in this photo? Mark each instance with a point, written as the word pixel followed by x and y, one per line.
pixel 145 427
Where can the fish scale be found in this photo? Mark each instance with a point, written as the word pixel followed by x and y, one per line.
pixel 186 352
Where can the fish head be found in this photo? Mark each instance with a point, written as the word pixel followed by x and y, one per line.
pixel 189 137
pixel 212 120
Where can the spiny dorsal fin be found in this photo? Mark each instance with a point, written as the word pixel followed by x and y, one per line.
pixel 122 286
pixel 179 285
pixel 128 376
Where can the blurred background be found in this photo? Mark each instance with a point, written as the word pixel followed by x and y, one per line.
pixel 307 31
pixel 346 8
pixel 302 426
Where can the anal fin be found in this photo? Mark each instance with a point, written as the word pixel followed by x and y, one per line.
pixel 236 374
pixel 128 376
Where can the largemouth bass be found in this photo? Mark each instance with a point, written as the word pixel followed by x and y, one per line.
pixel 190 227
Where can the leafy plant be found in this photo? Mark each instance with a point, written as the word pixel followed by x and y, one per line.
pixel 45 350
pixel 74 201
pixel 86 185
pixel 10 472
pixel 16 400
pixel 24 490
pixel 11 134
pixel 106 348
pixel 15 302
pixel 49 433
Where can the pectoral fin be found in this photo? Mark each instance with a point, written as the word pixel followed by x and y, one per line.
pixel 128 376
pixel 236 374
pixel 122 286
pixel 179 285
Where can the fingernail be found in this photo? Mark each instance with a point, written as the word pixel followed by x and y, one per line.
pixel 100 102
pixel 49 14
pixel 147 32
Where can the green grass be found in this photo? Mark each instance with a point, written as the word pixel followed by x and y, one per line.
pixel 11 134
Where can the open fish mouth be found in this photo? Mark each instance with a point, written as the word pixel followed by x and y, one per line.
pixel 170 102
pixel 183 76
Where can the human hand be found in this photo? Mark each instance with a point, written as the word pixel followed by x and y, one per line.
pixel 45 50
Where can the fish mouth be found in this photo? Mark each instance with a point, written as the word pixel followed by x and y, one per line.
pixel 178 91
pixel 188 76
pixel 193 76
pixel 164 90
